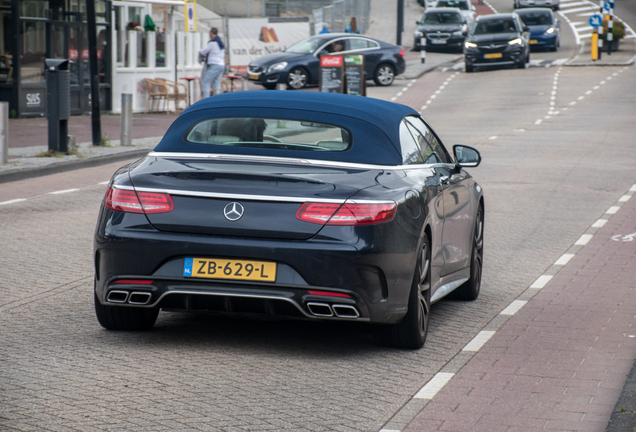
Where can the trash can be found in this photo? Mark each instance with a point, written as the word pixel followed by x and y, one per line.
pixel 58 102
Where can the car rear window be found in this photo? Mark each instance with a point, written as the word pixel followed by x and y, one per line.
pixel 503 25
pixel 270 133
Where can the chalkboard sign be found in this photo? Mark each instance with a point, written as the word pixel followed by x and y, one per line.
pixel 331 74
pixel 355 83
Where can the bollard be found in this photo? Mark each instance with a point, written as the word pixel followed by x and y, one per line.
pixel 4 132
pixel 281 86
pixel 423 48
pixel 245 84
pixel 126 120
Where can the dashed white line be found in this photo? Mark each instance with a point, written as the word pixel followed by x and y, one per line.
pixel 513 308
pixel 565 258
pixel 583 240
pixel 541 281
pixel 612 210
pixel 434 385
pixel 479 340
pixel 538 121
pixel 63 191
pixel 633 188
pixel 624 198
pixel 13 201
pixel 599 223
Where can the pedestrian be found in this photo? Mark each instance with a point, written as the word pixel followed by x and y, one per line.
pixel 214 63
pixel 325 29
pixel 353 26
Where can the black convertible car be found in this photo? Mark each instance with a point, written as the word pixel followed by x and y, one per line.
pixel 299 64
pixel 296 204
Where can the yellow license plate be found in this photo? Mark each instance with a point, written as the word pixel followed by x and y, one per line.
pixel 492 56
pixel 254 76
pixel 215 268
pixel 533 41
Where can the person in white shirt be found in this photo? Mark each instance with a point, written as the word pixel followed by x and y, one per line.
pixel 214 66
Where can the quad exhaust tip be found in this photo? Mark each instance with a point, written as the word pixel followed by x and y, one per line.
pixel 134 298
pixel 337 310
pixel 116 296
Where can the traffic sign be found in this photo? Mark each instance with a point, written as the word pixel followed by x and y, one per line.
pixel 607 6
pixel 596 20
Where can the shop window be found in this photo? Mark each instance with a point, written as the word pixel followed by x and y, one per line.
pixel 33 8
pixel 32 45
pixel 6 56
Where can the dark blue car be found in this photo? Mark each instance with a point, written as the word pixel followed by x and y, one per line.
pixel 306 205
pixel 298 65
pixel 545 29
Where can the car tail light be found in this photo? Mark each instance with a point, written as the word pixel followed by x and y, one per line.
pixel 138 202
pixel 401 52
pixel 346 214
pixel 134 281
pixel 328 294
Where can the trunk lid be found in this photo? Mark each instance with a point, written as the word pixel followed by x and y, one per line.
pixel 239 199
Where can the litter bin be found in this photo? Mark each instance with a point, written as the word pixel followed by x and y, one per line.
pixel 58 102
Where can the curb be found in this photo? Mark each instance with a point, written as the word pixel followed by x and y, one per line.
pixel 26 173
pixel 623 418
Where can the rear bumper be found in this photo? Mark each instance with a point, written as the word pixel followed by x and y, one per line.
pixel 375 277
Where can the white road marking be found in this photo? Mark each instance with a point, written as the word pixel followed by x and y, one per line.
pixel 624 198
pixel 541 281
pixel 538 121
pixel 478 341
pixel 434 385
pixel 599 223
pixel 581 9
pixel 633 188
pixel 565 258
pixel 583 240
pixel 104 183
pixel 13 201
pixel 513 308
pixel 63 191
pixel 492 138
pixel 612 210
pixel 559 62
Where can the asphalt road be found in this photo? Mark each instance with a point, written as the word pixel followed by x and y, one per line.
pixel 547 177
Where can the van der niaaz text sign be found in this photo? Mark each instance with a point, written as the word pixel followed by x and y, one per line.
pixel 251 38
pixel 331 74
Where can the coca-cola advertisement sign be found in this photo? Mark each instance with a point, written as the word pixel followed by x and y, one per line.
pixel 327 61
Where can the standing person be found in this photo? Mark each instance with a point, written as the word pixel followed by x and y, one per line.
pixel 214 66
pixel 353 26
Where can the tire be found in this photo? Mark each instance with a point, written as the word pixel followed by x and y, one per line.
pixel 469 67
pixel 125 318
pixel 522 65
pixel 269 86
pixel 410 333
pixel 470 289
pixel 297 78
pixel 384 75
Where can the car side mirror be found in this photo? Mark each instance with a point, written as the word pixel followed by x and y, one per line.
pixel 323 52
pixel 466 156
pixel 464 32
pixel 526 28
pixel 473 8
pixel 418 22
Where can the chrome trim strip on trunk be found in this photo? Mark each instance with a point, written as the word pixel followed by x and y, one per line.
pixel 290 161
pixel 247 197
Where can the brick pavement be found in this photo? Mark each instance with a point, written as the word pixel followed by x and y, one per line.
pixel 561 361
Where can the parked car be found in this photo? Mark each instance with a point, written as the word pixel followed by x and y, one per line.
pixel 497 40
pixel 440 29
pixel 305 205
pixel 427 3
pixel 545 29
pixel 466 8
pixel 299 64
pixel 552 4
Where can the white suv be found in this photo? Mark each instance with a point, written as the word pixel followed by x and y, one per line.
pixel 552 4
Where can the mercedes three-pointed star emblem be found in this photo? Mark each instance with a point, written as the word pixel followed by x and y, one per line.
pixel 233 211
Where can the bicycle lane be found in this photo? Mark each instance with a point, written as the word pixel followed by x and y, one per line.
pixel 558 356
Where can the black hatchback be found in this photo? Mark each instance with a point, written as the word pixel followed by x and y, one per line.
pixel 298 65
pixel 440 29
pixel 497 40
